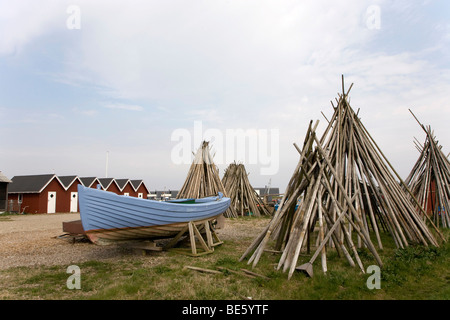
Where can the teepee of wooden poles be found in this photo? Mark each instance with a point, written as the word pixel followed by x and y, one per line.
pixel 244 199
pixel 349 194
pixel 203 179
pixel 429 179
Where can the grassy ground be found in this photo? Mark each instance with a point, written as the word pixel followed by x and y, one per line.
pixel 420 273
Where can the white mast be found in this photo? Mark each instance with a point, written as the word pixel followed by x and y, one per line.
pixel 107 158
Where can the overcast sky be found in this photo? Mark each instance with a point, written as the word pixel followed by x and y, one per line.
pixel 80 79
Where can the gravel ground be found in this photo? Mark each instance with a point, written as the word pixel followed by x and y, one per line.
pixel 32 240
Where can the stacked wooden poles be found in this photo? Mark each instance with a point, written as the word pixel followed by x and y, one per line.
pixel 203 179
pixel 244 199
pixel 429 179
pixel 349 196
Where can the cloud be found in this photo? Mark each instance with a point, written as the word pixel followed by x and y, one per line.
pixel 127 107
pixel 201 52
pixel 244 64
pixel 26 21
pixel 89 113
pixel 55 116
pixel 208 115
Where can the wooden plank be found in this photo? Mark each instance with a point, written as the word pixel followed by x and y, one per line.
pixel 209 239
pixel 192 238
pixel 255 274
pixel 73 227
pixel 203 270
pixel 174 241
pixel 194 235
pixel 236 272
pixel 200 239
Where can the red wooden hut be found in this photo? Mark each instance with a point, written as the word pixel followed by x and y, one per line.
pixel 140 189
pixel 70 197
pixel 38 193
pixel 90 182
pixel 126 188
pixel 48 193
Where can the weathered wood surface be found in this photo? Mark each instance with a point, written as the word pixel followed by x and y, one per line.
pixel 194 232
pixel 203 179
pixel 429 179
pixel 203 270
pixel 349 194
pixel 244 198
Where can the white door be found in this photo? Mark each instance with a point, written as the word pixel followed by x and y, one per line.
pixel 51 203
pixel 74 202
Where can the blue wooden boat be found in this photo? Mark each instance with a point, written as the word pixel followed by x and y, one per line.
pixel 108 217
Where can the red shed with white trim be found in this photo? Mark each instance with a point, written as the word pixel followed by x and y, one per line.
pixel 38 193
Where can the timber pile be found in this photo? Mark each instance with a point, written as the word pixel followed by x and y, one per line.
pixel 244 199
pixel 429 179
pixel 349 196
pixel 203 179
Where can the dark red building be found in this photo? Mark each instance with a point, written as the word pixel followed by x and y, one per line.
pixel 140 189
pixel 90 182
pixel 38 193
pixel 125 187
pixel 48 193
pixel 70 197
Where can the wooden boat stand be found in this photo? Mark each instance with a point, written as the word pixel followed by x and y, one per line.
pixel 192 228
pixel 145 246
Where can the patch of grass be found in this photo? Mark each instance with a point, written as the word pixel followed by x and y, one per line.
pixel 416 272
pixel 408 269
pixel 161 269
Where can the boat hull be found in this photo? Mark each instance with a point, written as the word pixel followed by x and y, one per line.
pixel 107 217
pixel 107 236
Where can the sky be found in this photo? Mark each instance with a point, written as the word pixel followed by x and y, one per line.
pixel 128 89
